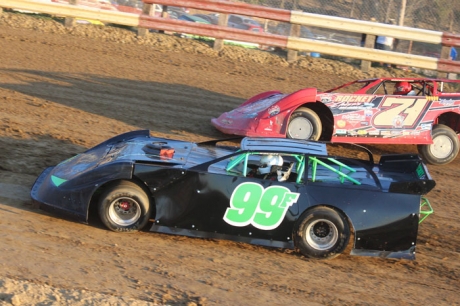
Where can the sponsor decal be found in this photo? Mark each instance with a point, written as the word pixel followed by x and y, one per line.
pixel 425 126
pixel 398 121
pixel 350 105
pixel 353 98
pixel 385 133
pixel 273 110
pixel 326 99
pixel 341 123
pixel 355 117
pixel 352 133
pixel 421 172
pixel 341 132
pixel 368 112
pixel 432 98
pixel 251 115
pixel 353 123
pixel 364 123
pixel 374 133
pixel 264 208
pixel 362 132
pixel 447 102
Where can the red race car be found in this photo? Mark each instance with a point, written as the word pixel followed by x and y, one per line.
pixel 420 111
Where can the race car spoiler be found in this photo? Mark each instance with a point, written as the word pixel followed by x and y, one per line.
pixel 408 172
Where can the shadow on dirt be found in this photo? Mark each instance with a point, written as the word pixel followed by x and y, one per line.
pixel 149 105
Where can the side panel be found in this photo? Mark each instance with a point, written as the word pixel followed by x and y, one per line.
pixel 231 205
pixel 386 119
pixel 382 221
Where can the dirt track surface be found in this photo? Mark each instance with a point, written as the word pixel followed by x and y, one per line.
pixel 63 91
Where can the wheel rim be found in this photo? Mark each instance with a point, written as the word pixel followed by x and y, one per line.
pixel 300 128
pixel 322 234
pixel 442 146
pixel 124 211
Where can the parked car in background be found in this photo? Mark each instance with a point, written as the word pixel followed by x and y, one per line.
pixel 245 23
pixel 285 28
pixel 175 12
pixel 211 18
pixel 192 18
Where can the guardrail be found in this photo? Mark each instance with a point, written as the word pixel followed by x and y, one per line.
pixel 290 42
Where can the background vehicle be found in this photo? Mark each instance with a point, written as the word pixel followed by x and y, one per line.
pixel 192 18
pixel 274 192
pixel 211 18
pixel 243 22
pixel 364 111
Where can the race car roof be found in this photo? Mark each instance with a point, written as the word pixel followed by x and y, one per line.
pixel 283 145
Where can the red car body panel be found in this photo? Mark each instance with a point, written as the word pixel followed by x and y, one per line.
pixel 362 116
pixel 266 114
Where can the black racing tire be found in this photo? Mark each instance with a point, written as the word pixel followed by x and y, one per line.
pixel 444 148
pixel 304 124
pixel 124 207
pixel 321 233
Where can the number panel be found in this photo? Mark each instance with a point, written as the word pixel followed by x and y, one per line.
pixel 401 113
pixel 265 209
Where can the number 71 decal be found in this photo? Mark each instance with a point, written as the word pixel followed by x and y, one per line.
pixel 265 209
pixel 401 112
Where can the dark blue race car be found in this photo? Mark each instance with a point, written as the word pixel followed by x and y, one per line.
pixel 274 192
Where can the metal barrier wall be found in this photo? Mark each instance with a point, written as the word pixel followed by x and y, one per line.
pixel 289 42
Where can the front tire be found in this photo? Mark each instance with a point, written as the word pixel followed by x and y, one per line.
pixel 444 148
pixel 321 233
pixel 124 207
pixel 304 124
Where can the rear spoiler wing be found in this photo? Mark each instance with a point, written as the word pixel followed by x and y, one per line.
pixel 418 179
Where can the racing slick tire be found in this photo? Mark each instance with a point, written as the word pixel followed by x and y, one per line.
pixel 124 207
pixel 321 233
pixel 304 124
pixel 444 148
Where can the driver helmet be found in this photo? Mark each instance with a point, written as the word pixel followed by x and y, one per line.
pixel 402 88
pixel 267 161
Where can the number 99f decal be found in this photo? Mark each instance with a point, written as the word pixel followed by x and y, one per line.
pixel 265 209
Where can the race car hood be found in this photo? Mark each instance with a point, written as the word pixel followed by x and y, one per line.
pixel 244 119
pixel 130 147
pixel 69 186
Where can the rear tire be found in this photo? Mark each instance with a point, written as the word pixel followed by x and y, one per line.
pixel 304 124
pixel 124 207
pixel 322 233
pixel 444 148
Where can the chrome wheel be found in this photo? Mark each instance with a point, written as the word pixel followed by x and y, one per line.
pixel 124 211
pixel 321 234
